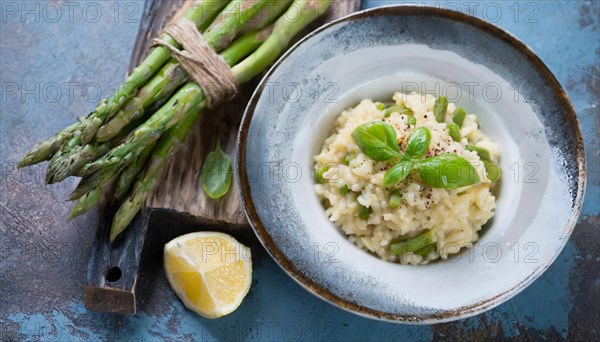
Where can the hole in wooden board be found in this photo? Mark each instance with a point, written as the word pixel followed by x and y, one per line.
pixel 112 274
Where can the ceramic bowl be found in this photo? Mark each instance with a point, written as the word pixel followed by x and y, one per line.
pixel 371 54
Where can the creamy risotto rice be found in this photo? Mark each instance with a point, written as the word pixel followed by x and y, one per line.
pixel 351 186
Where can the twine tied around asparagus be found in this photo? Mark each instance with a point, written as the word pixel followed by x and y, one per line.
pixel 201 62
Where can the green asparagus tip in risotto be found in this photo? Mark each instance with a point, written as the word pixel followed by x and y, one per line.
pixel 409 181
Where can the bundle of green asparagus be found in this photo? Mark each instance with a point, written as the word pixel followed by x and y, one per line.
pixel 128 138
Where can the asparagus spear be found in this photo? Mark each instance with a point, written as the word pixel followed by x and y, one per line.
pixel 283 31
pixel 71 159
pixel 128 176
pixel 268 15
pixel 45 149
pixel 161 86
pixel 218 37
pixel 166 146
pixel 414 244
pixel 56 159
pixel 86 203
pixel 73 155
pixel 105 168
pixel 89 200
pixel 238 50
pixel 63 165
pixel 202 15
pixel 176 75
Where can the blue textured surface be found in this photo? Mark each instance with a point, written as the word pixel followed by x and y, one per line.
pixel 43 260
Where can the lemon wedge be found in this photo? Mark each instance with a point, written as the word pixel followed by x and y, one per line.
pixel 210 272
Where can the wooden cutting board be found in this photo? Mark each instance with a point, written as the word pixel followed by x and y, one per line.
pixel 114 268
pixel 180 190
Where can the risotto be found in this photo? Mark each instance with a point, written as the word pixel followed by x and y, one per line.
pixel 409 181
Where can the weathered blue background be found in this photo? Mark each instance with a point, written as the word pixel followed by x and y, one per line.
pixel 47 62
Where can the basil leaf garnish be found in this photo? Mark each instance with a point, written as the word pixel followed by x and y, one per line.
pixel 377 140
pixel 397 173
pixel 216 173
pixel 418 144
pixel 448 171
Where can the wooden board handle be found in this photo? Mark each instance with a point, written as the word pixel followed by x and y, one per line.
pixel 113 268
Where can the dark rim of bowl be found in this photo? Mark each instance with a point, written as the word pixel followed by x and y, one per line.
pixel 319 290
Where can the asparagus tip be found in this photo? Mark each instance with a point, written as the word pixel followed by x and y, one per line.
pixel 73 213
pixel 50 176
pixel 32 158
pixel 116 229
pixel 75 195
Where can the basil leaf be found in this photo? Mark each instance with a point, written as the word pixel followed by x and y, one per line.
pixel 418 144
pixel 216 173
pixel 483 153
pixel 440 108
pixel 448 171
pixel 397 173
pixel 377 140
pixel 459 116
pixel 454 131
pixel 400 109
